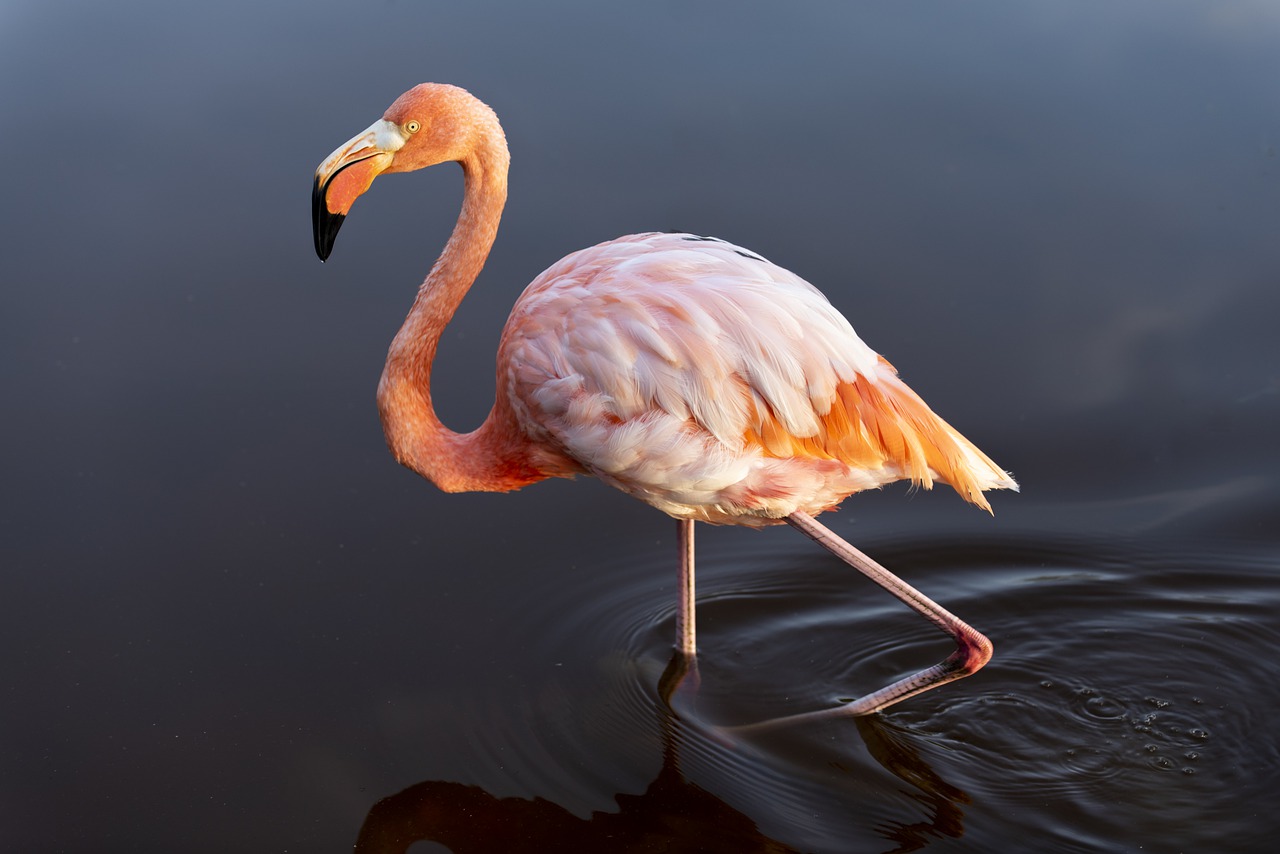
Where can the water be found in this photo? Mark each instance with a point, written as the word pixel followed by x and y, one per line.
pixel 235 625
pixel 1123 710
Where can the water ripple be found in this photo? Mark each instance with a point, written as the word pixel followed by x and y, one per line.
pixel 1132 676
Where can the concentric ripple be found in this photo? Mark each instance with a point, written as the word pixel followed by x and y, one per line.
pixel 1130 696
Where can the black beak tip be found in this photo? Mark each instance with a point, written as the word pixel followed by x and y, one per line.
pixel 325 225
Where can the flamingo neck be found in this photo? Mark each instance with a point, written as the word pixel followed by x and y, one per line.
pixel 492 457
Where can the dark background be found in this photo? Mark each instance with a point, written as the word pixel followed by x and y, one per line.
pixel 232 623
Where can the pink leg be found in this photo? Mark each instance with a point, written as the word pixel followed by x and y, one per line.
pixel 681 675
pixel 686 631
pixel 972 648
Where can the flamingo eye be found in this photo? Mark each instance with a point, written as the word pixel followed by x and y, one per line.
pixel 412 126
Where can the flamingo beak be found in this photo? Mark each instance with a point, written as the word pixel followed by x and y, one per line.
pixel 347 173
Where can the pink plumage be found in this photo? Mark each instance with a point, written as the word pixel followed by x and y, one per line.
pixel 684 370
pixel 701 378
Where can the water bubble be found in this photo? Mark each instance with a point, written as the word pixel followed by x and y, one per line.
pixel 1102 707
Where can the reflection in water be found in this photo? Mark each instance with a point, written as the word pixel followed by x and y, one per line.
pixel 671 815
pixel 942 800
pixel 1108 698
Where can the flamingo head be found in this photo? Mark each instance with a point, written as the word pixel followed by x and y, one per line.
pixel 431 123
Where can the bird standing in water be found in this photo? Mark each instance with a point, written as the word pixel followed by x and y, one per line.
pixel 684 370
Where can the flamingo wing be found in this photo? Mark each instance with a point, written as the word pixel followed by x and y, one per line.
pixel 716 385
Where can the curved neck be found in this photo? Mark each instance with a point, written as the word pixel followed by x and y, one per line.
pixel 491 457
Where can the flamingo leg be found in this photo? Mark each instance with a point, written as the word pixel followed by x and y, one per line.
pixel 973 650
pixel 681 674
pixel 686 631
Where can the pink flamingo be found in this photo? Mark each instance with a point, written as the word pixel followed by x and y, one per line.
pixel 684 370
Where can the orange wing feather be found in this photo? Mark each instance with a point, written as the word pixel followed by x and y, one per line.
pixel 874 423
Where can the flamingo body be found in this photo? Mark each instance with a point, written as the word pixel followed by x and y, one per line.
pixel 715 385
pixel 686 371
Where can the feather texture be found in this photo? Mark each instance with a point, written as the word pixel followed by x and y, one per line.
pixel 717 386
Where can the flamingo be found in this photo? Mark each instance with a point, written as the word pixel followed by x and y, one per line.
pixel 686 371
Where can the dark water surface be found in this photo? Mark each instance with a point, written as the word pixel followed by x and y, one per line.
pixel 233 624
